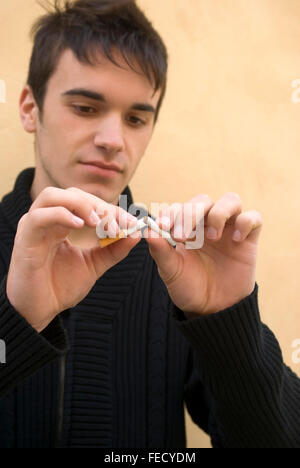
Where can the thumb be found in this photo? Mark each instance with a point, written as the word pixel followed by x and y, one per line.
pixel 106 258
pixel 165 256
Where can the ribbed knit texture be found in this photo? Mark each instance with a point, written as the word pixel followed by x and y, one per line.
pixel 241 364
pixel 24 344
pixel 115 360
pixel 115 370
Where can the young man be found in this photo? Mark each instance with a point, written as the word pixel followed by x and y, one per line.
pixel 103 346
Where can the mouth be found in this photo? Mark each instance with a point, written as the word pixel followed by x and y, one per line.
pixel 101 169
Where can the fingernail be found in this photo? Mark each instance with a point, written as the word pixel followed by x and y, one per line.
pixel 237 236
pixel 94 218
pixel 78 221
pixel 132 219
pixel 113 229
pixel 212 233
pixel 165 223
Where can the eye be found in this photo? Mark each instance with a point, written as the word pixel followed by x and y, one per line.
pixel 86 110
pixel 136 121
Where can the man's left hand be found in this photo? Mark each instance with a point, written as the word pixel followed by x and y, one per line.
pixel 222 272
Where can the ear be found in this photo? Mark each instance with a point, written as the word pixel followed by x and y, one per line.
pixel 28 110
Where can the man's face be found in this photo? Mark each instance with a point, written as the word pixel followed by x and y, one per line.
pixel 92 115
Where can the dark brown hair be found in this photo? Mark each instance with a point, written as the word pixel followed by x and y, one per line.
pixel 87 26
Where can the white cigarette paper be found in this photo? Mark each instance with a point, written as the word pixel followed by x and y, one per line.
pixel 139 226
pixel 154 226
pixel 142 223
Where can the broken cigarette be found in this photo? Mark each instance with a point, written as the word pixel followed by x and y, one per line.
pixel 105 241
pixel 146 221
pixel 154 226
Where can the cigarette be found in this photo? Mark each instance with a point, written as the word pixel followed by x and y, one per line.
pixel 139 226
pixel 146 221
pixel 154 226
pixel 104 241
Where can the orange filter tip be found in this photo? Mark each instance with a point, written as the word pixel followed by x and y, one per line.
pixel 108 241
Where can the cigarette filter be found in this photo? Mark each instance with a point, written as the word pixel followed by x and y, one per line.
pixel 104 241
pixel 108 240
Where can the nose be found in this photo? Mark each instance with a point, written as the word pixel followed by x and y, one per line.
pixel 109 134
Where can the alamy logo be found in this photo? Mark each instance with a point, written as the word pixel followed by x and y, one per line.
pixel 184 219
pixel 2 92
pixel 2 352
pixel 296 353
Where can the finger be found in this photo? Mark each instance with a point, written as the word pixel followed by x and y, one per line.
pixel 111 216
pixel 247 226
pixel 123 218
pixel 229 206
pixel 108 227
pixel 164 255
pixel 190 219
pixel 84 205
pixel 76 201
pixel 34 225
pixel 166 217
pixel 104 259
pixel 109 213
pixel 186 219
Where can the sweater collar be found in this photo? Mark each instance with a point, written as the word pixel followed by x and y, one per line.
pixel 18 202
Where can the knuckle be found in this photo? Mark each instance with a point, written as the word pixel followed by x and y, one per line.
pixel 234 196
pixel 176 207
pixel 76 194
pixel 202 198
pixel 60 211
pixel 73 189
pixel 33 216
pixel 28 221
pixel 199 207
pixel 218 216
pixel 48 192
pixel 257 213
pixel 23 220
pixel 258 216
pixel 48 196
pixel 217 212
pixel 252 218
pixel 205 197
pixel 104 209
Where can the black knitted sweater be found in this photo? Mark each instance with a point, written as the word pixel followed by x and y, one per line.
pixel 116 370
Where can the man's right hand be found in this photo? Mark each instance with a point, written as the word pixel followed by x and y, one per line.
pixel 48 274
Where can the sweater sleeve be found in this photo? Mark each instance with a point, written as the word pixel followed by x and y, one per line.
pixel 256 397
pixel 23 350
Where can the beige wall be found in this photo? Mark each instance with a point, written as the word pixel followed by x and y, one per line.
pixel 229 123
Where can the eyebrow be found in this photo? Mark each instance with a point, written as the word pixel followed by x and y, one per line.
pixel 101 98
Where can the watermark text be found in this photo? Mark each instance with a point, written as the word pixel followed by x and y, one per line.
pixel 2 352
pixel 2 92
pixel 187 220
pixel 296 353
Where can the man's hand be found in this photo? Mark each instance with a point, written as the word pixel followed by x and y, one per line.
pixel 222 272
pixel 47 274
